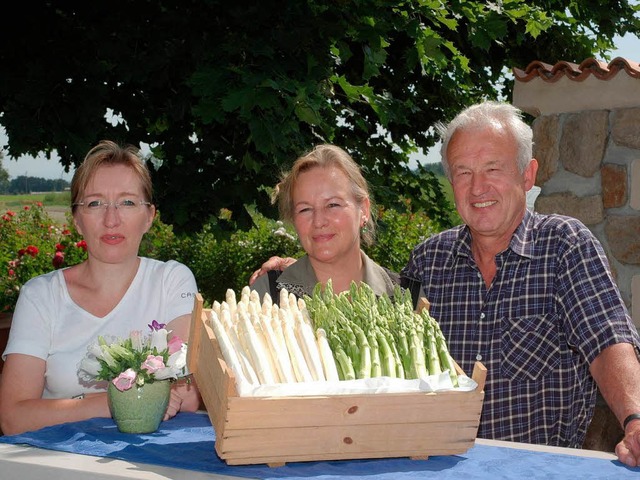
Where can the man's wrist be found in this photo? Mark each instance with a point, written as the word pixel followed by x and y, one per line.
pixel 630 418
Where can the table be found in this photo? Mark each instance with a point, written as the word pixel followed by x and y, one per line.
pixel 31 463
pixel 183 448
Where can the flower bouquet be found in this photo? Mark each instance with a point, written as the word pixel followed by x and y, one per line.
pixel 136 360
pixel 139 370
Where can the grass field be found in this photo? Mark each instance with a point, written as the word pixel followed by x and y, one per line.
pixel 54 199
pixel 56 203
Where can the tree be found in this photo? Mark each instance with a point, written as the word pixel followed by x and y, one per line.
pixel 228 93
pixel 4 176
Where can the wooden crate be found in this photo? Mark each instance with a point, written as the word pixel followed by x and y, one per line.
pixel 276 430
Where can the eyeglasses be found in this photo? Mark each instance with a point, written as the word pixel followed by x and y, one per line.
pixel 122 206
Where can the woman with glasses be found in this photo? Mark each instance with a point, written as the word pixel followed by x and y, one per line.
pixel 111 293
pixel 327 200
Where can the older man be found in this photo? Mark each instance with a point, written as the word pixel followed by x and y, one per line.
pixel 529 295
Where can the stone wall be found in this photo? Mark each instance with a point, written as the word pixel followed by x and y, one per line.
pixel 590 169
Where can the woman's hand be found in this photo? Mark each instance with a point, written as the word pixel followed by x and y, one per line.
pixel 274 263
pixel 185 397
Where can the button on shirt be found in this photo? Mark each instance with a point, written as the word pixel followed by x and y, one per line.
pixel 551 309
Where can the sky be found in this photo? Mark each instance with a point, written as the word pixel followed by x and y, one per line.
pixel 40 166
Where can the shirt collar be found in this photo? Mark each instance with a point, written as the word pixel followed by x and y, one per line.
pixel 305 276
pixel 521 241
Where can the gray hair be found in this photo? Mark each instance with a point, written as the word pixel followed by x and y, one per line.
pixel 489 114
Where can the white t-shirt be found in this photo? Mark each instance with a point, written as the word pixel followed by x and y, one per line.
pixel 49 325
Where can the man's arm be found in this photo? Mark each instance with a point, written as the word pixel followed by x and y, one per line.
pixel 616 370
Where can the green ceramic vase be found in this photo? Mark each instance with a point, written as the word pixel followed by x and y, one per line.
pixel 139 409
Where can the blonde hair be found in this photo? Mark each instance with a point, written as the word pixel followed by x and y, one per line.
pixel 325 156
pixel 109 153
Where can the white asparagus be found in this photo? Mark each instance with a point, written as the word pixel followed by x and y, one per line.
pixel 300 368
pixel 266 346
pixel 276 327
pixel 267 302
pixel 328 362
pixel 259 358
pixel 284 299
pixel 215 306
pixel 293 303
pixel 241 350
pixel 227 348
pixel 245 295
pixel 278 350
pixel 230 298
pixel 308 345
pixel 301 304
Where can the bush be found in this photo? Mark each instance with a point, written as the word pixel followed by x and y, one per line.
pixel 32 243
pixel 398 233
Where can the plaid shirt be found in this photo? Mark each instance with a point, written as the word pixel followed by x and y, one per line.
pixel 550 310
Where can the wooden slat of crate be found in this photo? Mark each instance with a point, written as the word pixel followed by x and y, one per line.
pixel 285 444
pixel 411 408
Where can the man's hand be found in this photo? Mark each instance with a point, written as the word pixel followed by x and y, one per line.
pixel 274 263
pixel 628 450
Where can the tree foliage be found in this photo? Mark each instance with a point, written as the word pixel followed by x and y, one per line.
pixel 4 175
pixel 228 93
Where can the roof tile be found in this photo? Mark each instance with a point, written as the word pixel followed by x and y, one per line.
pixel 591 66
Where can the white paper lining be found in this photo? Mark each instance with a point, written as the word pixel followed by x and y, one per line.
pixel 433 383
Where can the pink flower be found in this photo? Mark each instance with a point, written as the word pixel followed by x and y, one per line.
pixel 152 364
pixel 125 380
pixel 174 345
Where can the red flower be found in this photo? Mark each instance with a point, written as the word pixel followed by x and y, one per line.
pixel 27 207
pixel 66 232
pixel 21 252
pixel 59 247
pixel 58 259
pixel 39 204
pixel 12 272
pixel 82 244
pixel 32 250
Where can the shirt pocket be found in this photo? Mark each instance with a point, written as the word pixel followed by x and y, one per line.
pixel 530 347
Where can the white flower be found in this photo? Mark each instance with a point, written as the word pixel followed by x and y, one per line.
pixel 178 360
pixel 159 339
pixel 89 368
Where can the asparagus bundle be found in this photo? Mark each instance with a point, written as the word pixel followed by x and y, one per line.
pixel 328 336
pixel 266 343
pixel 372 336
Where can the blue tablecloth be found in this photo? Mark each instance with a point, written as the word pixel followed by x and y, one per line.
pixel 187 441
